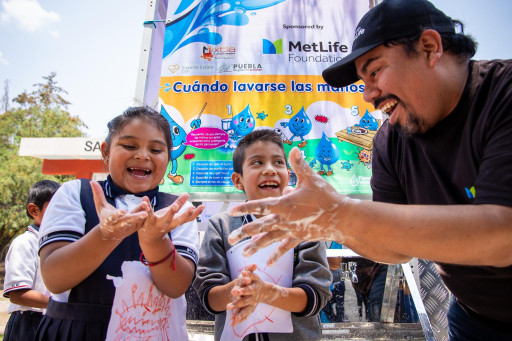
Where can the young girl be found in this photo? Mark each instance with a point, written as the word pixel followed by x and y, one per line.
pixel 90 229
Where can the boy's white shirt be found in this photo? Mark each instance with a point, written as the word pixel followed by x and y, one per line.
pixel 22 268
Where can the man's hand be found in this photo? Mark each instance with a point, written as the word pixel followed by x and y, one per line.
pixel 311 212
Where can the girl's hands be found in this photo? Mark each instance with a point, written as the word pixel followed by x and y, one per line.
pixel 117 224
pixel 249 290
pixel 159 223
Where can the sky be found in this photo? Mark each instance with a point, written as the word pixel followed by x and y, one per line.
pixel 94 48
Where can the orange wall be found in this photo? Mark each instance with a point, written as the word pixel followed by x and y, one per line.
pixel 79 168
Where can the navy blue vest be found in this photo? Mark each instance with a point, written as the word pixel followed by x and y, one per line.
pixel 96 288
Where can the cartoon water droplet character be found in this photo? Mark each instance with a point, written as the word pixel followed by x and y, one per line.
pixel 261 115
pixel 242 124
pixel 327 154
pixel 299 125
pixel 346 165
pixel 179 137
pixel 368 121
pixel 365 157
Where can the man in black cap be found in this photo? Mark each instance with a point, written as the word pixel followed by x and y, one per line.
pixel 442 166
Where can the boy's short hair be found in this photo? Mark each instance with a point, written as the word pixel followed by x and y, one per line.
pixel 265 135
pixel 40 193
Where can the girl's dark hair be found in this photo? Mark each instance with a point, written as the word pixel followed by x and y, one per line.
pixel 457 43
pixel 145 113
pixel 265 135
pixel 40 193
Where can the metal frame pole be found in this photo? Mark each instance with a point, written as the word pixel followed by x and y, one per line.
pixel 150 62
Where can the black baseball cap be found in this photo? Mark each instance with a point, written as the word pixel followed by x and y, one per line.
pixel 391 19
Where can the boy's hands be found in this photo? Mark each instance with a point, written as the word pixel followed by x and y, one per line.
pixel 117 224
pixel 159 223
pixel 249 290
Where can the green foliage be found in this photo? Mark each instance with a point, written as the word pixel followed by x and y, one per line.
pixel 41 113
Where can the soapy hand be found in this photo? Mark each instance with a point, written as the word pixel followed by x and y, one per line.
pixel 249 291
pixel 116 224
pixel 159 223
pixel 310 212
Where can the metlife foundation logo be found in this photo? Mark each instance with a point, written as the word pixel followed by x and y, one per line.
pixel 275 47
pixel 307 52
pixel 316 51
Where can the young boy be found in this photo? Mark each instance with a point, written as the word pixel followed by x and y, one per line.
pixel 260 170
pixel 23 284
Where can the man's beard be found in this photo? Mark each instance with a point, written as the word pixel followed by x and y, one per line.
pixel 413 126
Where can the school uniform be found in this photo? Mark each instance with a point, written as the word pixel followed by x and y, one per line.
pixel 83 313
pixel 22 273
pixel 310 273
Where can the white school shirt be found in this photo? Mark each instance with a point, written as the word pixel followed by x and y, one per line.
pixel 22 268
pixel 65 214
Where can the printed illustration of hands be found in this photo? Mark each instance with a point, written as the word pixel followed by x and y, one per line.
pixel 312 211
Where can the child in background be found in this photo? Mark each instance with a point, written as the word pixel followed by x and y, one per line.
pixel 23 284
pixel 260 170
pixel 334 310
pixel 90 229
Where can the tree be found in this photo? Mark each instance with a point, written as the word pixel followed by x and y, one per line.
pixel 41 113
